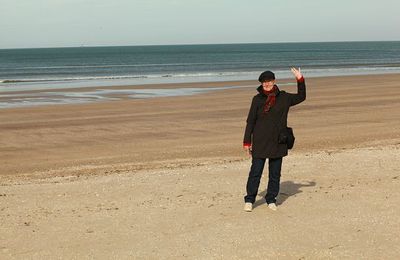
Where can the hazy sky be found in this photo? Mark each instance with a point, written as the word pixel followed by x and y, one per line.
pixel 50 23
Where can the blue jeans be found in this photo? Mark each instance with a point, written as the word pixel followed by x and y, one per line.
pixel 253 182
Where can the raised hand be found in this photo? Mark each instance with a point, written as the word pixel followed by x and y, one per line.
pixel 297 73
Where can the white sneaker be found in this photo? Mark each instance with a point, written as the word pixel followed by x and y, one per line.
pixel 248 206
pixel 272 206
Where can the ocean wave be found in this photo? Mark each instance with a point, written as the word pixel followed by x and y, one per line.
pixel 113 77
pixel 68 79
pixel 132 65
pixel 217 74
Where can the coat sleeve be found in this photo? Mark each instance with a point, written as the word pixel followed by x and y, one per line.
pixel 301 93
pixel 251 121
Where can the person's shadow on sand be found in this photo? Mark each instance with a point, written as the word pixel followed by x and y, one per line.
pixel 287 189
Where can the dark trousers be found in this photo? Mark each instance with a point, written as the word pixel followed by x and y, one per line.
pixel 253 182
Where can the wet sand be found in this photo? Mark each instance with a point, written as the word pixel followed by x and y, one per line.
pixel 97 138
pixel 164 177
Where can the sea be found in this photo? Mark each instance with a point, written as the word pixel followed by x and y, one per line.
pixel 55 68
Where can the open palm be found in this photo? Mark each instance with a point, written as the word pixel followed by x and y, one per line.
pixel 297 73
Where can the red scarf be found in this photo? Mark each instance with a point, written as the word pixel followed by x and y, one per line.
pixel 271 98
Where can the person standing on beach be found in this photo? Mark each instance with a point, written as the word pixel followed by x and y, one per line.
pixel 266 120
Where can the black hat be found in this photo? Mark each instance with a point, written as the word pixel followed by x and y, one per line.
pixel 266 76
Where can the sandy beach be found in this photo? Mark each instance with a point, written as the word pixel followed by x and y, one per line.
pixel 164 178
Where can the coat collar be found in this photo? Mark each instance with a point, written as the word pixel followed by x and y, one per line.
pixel 260 90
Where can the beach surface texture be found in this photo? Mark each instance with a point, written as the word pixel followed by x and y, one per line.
pixel 164 178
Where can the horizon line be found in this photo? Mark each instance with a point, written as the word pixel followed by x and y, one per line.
pixel 188 44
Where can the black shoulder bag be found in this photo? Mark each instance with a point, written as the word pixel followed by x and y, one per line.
pixel 286 136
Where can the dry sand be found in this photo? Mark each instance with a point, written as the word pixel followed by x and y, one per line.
pixel 165 178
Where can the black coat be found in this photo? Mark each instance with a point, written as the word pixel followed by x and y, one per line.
pixel 262 129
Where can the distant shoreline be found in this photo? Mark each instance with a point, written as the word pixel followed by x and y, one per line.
pixel 55 68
